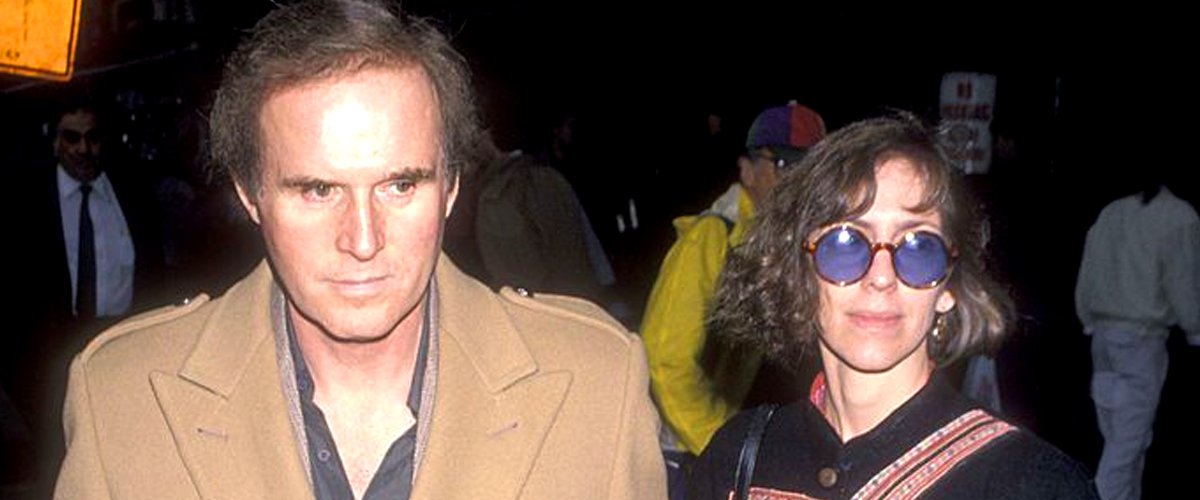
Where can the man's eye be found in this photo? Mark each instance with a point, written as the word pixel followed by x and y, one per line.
pixel 70 136
pixel 318 190
pixel 399 187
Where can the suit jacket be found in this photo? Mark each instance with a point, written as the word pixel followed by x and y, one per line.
pixel 540 397
pixel 42 330
pixel 44 273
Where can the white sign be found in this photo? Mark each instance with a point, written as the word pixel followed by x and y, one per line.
pixel 966 106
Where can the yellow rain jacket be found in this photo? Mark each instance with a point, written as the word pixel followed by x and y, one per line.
pixel 673 326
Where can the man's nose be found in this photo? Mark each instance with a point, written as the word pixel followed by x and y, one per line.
pixel 361 234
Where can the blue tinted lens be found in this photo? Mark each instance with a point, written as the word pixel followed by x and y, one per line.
pixel 842 255
pixel 921 259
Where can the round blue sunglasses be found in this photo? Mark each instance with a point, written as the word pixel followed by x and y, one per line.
pixel 842 256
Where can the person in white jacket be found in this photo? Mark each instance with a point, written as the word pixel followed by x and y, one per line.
pixel 1140 276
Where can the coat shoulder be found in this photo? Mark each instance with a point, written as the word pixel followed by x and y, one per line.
pixel 135 335
pixel 570 310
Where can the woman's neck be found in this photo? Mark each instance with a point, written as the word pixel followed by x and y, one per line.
pixel 856 402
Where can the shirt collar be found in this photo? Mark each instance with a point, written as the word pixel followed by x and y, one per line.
pixel 304 381
pixel 68 187
pixel 926 411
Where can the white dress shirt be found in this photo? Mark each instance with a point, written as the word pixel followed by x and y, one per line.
pixel 114 246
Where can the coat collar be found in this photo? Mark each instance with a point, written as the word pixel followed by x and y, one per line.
pixel 471 315
pixel 239 327
pixel 225 407
pixel 228 412
pixel 495 405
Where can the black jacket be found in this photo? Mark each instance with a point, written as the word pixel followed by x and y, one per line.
pixel 799 443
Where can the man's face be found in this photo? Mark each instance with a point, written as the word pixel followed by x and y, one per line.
pixel 77 145
pixel 353 199
pixel 758 175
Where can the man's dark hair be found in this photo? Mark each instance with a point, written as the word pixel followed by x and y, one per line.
pixel 77 101
pixel 769 293
pixel 316 40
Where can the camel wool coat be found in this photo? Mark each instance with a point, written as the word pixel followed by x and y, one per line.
pixel 535 397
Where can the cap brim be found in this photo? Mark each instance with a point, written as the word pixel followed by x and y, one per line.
pixel 789 155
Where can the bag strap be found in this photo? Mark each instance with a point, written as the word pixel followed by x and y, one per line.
pixel 928 461
pixel 749 453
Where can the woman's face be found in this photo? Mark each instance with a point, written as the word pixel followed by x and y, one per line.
pixel 878 323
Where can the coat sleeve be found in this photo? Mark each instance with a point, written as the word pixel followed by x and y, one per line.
pixel 1082 281
pixel 1181 276
pixel 638 470
pixel 673 329
pixel 82 472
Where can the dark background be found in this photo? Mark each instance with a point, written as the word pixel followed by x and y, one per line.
pixel 1087 95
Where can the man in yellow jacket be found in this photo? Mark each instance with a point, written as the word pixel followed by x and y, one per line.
pixel 688 400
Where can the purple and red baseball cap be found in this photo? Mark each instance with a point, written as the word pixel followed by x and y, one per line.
pixel 786 131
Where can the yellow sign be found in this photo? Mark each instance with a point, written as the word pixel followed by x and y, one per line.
pixel 37 37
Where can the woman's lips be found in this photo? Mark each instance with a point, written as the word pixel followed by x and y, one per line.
pixel 874 320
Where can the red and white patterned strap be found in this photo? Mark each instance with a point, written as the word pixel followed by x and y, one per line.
pixel 924 464
pixel 757 493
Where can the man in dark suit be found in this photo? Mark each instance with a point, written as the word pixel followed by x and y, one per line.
pixel 97 279
pixel 85 258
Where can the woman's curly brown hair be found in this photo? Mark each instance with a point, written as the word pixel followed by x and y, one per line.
pixel 768 295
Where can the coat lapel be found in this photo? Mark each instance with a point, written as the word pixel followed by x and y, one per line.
pixel 493 408
pixel 226 408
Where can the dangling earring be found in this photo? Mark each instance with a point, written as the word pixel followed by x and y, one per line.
pixel 938 325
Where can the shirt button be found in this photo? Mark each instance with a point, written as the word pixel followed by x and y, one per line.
pixel 827 476
pixel 323 455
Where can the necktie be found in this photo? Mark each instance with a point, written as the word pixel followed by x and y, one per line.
pixel 85 291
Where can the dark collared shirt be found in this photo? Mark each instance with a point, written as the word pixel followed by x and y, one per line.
pixel 393 479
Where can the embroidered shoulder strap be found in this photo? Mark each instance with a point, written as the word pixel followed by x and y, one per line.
pixel 924 464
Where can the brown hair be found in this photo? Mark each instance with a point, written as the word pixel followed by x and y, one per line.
pixel 315 40
pixel 768 295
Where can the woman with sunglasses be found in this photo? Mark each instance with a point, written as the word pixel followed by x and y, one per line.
pixel 870 253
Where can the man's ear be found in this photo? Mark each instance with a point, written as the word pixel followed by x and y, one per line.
pixel 452 195
pixel 247 202
pixel 746 170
